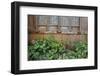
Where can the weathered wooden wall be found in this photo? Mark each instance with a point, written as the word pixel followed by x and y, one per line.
pixel 31 24
pixel 81 25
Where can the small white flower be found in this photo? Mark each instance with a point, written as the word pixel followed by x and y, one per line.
pixel 33 41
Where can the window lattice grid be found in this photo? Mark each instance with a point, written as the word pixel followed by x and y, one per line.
pixel 54 24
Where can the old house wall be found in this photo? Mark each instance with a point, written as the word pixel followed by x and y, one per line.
pixel 80 25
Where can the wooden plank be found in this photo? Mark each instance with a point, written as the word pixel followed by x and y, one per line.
pixel 84 25
pixel 31 24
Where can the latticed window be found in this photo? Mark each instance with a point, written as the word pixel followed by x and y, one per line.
pixel 42 20
pixel 59 24
pixel 54 24
pixel 69 24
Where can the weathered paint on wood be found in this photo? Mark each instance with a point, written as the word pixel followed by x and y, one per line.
pixel 70 28
pixel 84 24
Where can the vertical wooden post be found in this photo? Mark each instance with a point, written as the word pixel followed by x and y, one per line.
pixel 84 25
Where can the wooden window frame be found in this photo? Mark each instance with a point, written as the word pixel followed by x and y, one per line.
pixel 58 26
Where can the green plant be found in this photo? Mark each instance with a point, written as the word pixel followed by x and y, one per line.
pixel 50 49
pixel 79 51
